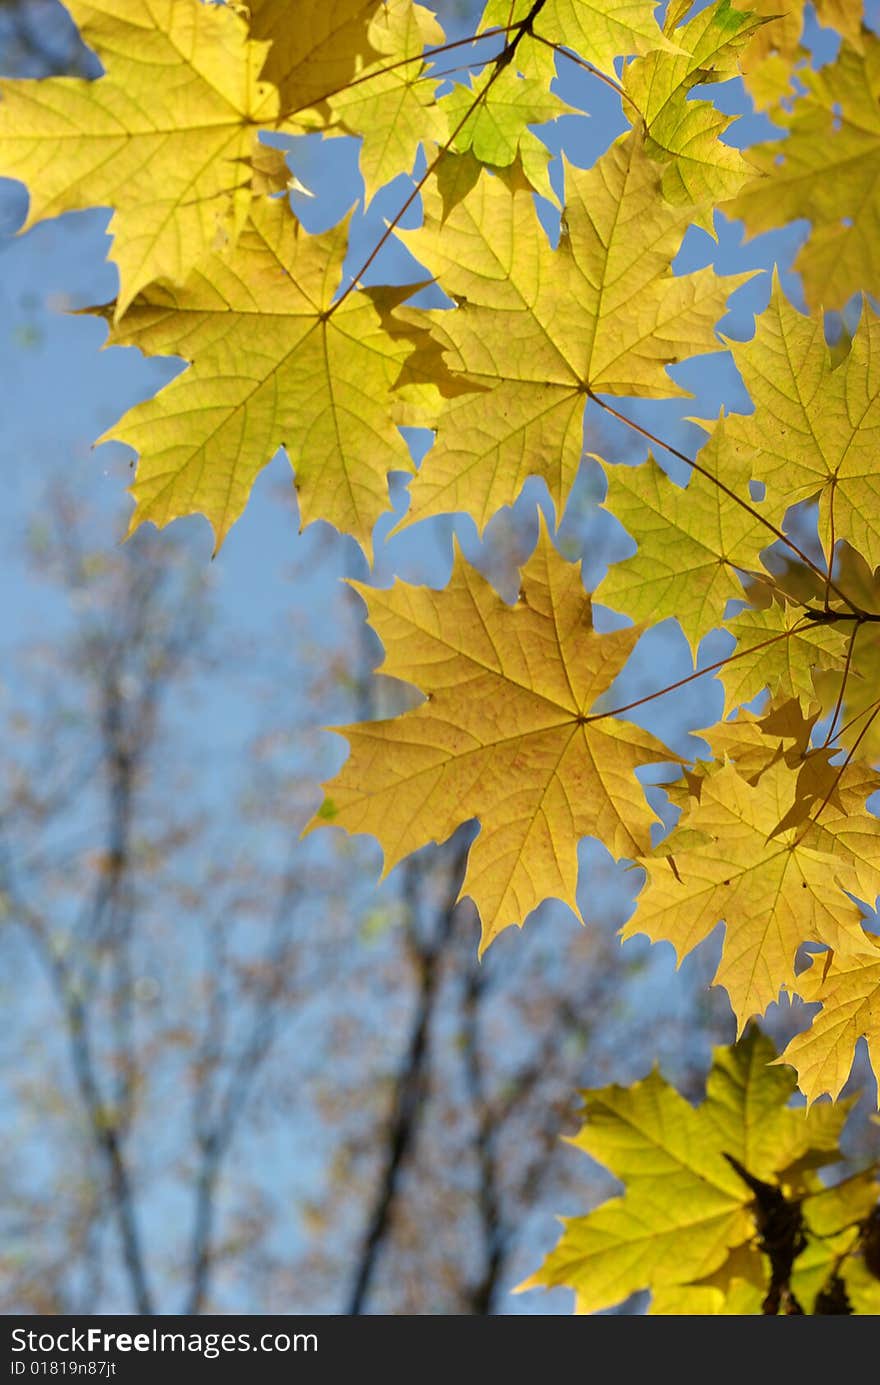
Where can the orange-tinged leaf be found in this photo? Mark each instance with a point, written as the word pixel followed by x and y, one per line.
pixel 776 49
pixel 537 328
pixel 164 137
pixel 506 734
pixel 773 892
pixel 270 367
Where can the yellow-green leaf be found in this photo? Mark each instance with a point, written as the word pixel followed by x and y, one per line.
pixel 271 366
pixel 773 892
pixel 690 542
pixel 684 1207
pixel 788 664
pixel 599 30
pixel 391 102
pixel 815 430
pixel 686 133
pixel 537 329
pixel 827 169
pixel 493 118
pixel 164 137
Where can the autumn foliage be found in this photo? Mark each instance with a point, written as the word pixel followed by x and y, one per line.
pixel 537 340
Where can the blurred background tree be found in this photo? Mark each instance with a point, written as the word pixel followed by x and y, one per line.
pixel 240 1079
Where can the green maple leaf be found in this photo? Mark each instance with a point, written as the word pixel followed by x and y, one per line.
pixel 699 170
pixel 685 1208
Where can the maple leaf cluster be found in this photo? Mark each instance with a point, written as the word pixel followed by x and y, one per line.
pixel 724 1210
pixel 286 347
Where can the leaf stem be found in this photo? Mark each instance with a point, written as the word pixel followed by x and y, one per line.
pixel 709 668
pixel 726 490
pixel 593 71
pixel 811 821
pixel 427 55
pixel 501 61
pixel 839 703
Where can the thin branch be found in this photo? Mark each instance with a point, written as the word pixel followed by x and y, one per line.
pixel 726 490
pixel 691 677
pixel 832 541
pixel 426 56
pixel 588 67
pixel 841 770
pixel 839 703
pixel 501 61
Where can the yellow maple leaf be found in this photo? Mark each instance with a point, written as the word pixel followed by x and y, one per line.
pixel 848 988
pixel 787 666
pixel 691 541
pixel 826 169
pixel 506 734
pixel 739 1299
pixel 815 430
pixel 684 1208
pixel 271 367
pixel 773 890
pixel 492 120
pixel 164 137
pixel 826 1255
pixel 862 1286
pixel 316 50
pixel 599 30
pixel 782 731
pixel 536 329
pixel 686 133
pixel 776 48
pixel 390 102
